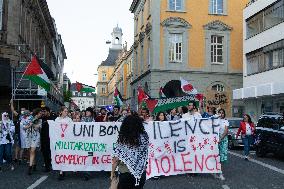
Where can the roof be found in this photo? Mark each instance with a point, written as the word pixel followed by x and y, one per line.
pixel 111 58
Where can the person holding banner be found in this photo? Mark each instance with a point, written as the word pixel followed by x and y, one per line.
pixel 33 138
pixel 130 154
pixel 223 139
pixel 161 116
pixel 63 119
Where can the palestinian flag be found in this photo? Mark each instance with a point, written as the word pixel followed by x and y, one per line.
pixel 85 88
pixel 161 93
pixel 36 74
pixel 162 105
pixel 141 95
pixel 117 98
pixel 187 87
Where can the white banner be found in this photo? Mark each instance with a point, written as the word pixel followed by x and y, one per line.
pixel 175 147
pixel 82 146
pixel 183 147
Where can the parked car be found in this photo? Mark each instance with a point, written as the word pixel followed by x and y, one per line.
pixel 270 135
pixel 234 124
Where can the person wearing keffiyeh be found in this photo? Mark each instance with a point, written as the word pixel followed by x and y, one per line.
pixel 130 154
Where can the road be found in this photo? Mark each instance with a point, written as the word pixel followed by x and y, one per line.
pixel 258 173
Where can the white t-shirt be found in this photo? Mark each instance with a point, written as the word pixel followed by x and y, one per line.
pixel 248 129
pixel 64 120
pixel 223 124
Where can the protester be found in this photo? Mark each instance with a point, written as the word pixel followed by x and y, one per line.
pixel 124 113
pixel 19 133
pixel 192 112
pixel 44 138
pixel 115 116
pixel 211 112
pixel 7 130
pixel 223 139
pixel 161 116
pixel 132 146
pixel 77 118
pixel 247 130
pixel 89 115
pixel 33 138
pixel 173 115
pixel 180 111
pixel 145 115
pixel 102 116
pixel 63 119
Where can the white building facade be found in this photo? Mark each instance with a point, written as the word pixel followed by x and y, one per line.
pixel 263 58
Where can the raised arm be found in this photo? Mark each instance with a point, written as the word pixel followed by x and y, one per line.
pixel 12 108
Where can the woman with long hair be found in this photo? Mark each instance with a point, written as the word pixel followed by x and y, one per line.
pixel 161 116
pixel 223 139
pixel 33 138
pixel 247 130
pixel 130 154
pixel 63 119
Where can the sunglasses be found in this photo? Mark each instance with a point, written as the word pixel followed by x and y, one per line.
pixel 6 115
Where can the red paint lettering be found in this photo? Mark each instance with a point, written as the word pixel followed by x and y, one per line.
pixel 217 163
pixel 198 163
pixel 167 163
pixel 157 164
pixel 95 160
pixel 186 162
pixel 206 162
pixel 175 168
pixel 106 159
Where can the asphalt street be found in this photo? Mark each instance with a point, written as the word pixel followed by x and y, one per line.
pixel 258 173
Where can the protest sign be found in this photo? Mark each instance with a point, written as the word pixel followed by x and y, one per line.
pixel 180 147
pixel 82 146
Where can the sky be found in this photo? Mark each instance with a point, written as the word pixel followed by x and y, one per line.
pixel 85 26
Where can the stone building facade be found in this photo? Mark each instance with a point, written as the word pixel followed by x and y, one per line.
pixel 199 41
pixel 27 28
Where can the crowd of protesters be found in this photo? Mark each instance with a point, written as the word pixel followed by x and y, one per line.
pixel 30 130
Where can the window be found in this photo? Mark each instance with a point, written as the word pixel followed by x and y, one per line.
pixel 136 26
pixel 104 76
pixel 217 49
pixel 175 47
pixel 265 19
pixel 1 14
pixel 266 58
pixel 103 90
pixel 175 5
pixel 218 87
pixel 217 7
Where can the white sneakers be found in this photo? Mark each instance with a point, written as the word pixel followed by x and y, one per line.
pixel 219 176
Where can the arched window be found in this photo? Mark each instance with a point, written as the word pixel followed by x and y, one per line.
pixel 218 87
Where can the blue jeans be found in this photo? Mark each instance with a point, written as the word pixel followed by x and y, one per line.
pixel 247 140
pixel 6 149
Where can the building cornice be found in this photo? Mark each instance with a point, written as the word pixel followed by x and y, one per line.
pixel 217 25
pixel 175 21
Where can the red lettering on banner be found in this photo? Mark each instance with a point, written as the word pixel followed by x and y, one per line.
pixel 70 159
pixel 197 163
pixel 186 162
pixel 175 168
pixel 157 165
pixel 217 163
pixel 106 159
pixel 169 164
pixel 206 162
pixel 95 160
